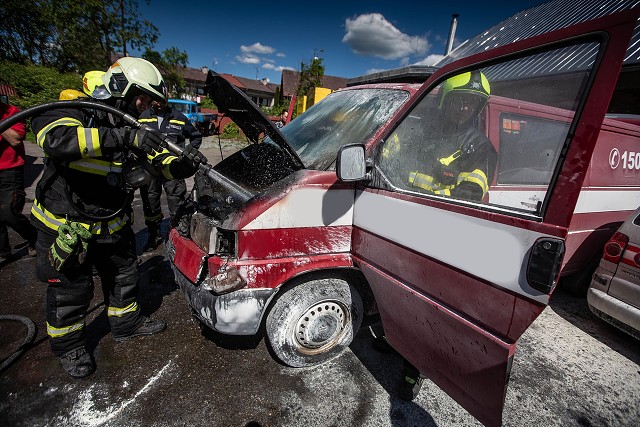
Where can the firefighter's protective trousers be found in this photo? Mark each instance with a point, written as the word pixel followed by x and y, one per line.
pixel 70 291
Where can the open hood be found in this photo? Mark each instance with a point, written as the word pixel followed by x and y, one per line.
pixel 245 113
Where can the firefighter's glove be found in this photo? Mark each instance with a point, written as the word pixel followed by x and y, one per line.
pixel 64 248
pixel 84 236
pixel 444 175
pixel 147 140
pixel 71 245
pixel 193 156
pixel 144 139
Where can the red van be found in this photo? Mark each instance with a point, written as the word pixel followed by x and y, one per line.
pixel 315 225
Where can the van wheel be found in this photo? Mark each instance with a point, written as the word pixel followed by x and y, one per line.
pixel 314 322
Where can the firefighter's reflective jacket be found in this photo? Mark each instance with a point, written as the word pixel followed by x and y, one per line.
pixel 86 164
pixel 173 124
pixel 459 164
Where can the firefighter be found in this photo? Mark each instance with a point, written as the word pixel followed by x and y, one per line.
pixel 91 80
pixel 450 157
pixel 83 212
pixel 178 128
pixel 457 160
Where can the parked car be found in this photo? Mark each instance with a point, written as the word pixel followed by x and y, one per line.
pixel 614 294
pixel 313 226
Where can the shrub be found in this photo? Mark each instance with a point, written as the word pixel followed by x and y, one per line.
pixel 231 131
pixel 36 85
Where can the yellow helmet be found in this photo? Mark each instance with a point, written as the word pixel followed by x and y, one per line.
pixel 129 77
pixel 91 80
pixel 472 82
pixel 69 94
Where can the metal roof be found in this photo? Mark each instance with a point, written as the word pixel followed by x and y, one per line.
pixel 546 17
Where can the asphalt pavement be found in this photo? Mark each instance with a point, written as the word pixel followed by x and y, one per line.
pixel 571 369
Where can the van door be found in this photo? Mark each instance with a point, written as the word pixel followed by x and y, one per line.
pixel 458 278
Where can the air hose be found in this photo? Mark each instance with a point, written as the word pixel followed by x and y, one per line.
pixel 31 334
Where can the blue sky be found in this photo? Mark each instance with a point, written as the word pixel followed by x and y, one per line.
pixel 255 39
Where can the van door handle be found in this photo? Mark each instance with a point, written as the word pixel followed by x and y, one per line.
pixel 545 261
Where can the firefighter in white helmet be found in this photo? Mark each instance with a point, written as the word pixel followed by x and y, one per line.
pixel 83 212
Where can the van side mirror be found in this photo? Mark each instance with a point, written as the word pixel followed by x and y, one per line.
pixel 351 164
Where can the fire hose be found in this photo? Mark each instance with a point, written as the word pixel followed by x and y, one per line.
pixel 31 334
pixel 237 191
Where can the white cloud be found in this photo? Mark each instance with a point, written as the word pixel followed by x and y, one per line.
pixel 248 59
pixel 257 48
pixel 280 54
pixel 375 70
pixel 277 68
pixel 372 35
pixel 430 60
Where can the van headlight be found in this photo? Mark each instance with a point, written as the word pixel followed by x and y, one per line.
pixel 204 232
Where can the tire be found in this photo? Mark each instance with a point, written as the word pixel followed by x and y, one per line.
pixel 314 322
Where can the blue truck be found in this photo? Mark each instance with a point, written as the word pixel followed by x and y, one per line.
pixel 204 122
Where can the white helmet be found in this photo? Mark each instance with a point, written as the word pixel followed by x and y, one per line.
pixel 129 77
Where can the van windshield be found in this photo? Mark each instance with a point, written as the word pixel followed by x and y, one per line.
pixel 344 117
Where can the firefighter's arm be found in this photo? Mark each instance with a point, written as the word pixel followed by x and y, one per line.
pixel 471 185
pixel 65 137
pixel 173 167
pixel 15 134
pixel 12 137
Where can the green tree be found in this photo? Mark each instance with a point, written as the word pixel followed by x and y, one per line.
pixel 35 84
pixel 171 62
pixel 310 77
pixel 72 35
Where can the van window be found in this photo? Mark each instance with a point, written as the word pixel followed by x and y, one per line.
pixel 344 117
pixel 504 124
pixel 528 148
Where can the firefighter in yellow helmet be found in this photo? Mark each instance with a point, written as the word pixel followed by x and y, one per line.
pixel 83 208
pixel 91 80
pixel 442 154
pixel 69 94
pixel 455 159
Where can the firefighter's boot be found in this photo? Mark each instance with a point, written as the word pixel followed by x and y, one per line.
pixel 78 363
pixel 153 240
pixel 147 327
pixel 411 383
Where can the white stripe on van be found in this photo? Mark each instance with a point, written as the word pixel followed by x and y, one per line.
pixel 307 207
pixel 485 249
pixel 591 200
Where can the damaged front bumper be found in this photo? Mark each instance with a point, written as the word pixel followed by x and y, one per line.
pixel 238 312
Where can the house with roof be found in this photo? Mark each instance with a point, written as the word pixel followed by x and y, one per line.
pixel 290 79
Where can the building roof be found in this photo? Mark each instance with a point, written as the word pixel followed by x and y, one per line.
pixel 291 78
pixel 251 85
pixel 194 74
pixel 544 18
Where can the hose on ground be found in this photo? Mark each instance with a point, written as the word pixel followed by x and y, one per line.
pixel 31 334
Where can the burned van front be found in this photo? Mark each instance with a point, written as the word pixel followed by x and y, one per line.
pixel 274 215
